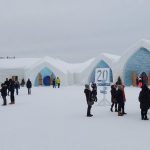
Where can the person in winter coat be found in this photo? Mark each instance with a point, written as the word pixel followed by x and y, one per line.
pixel 17 86
pixel 94 91
pixel 54 83
pixel 4 93
pixel 7 84
pixel 144 99
pixel 120 96
pixel 12 90
pixel 113 98
pixel 29 86
pixel 89 101
pixel 58 82
pixel 22 83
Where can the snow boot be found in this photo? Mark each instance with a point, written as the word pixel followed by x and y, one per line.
pixel 12 103
pixel 4 104
pixel 90 115
pixel 145 118
pixel 120 114
pixel 124 113
pixel 111 109
pixel 116 110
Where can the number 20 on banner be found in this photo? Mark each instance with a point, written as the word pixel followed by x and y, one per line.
pixel 102 75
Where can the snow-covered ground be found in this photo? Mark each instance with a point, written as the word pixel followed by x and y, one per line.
pixel 55 119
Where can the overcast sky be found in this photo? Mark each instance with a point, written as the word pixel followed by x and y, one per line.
pixel 74 30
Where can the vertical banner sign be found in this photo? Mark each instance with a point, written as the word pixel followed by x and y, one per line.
pixel 102 76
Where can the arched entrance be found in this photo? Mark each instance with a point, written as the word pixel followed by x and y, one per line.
pixel 101 64
pixel 44 77
pixel 138 62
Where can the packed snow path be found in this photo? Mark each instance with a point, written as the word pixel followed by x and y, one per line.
pixel 55 119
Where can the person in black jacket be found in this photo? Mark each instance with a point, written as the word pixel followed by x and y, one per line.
pixel 113 98
pixel 7 84
pixel 17 86
pixel 144 99
pixel 29 86
pixel 4 93
pixel 54 83
pixel 94 91
pixel 12 90
pixel 22 83
pixel 89 101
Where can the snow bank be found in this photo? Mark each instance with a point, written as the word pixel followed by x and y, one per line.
pixel 54 119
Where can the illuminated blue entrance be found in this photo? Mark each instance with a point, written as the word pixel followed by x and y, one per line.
pixel 46 81
pixel 139 62
pixel 47 76
pixel 101 64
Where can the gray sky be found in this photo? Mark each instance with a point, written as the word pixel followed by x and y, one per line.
pixel 74 30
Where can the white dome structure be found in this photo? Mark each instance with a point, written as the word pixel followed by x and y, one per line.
pixel 104 60
pixel 134 63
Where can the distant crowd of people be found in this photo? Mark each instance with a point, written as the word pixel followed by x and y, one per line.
pixel 9 87
pixel 118 98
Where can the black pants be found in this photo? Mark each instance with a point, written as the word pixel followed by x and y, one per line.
pixel 12 97
pixel 16 91
pixel 58 85
pixel 89 110
pixel 95 98
pixel 121 107
pixel 144 113
pixel 114 103
pixel 4 100
pixel 29 91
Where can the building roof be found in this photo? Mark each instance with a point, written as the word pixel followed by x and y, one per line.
pixel 17 63
pixel 29 63
pixel 133 49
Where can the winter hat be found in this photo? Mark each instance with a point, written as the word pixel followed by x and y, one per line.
pixel 87 86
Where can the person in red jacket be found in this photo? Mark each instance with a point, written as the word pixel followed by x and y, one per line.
pixel 120 96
